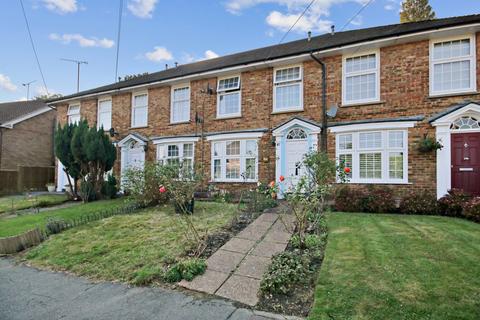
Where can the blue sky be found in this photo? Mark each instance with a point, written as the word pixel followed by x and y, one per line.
pixel 156 32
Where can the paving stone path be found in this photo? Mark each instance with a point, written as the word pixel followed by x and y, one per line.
pixel 236 269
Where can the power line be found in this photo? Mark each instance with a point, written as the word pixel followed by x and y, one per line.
pixel 356 14
pixel 33 47
pixel 120 11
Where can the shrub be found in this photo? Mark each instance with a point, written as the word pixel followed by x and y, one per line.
pixel 471 209
pixel 379 199
pixel 146 275
pixel 422 202
pixel 55 225
pixel 109 188
pixel 287 269
pixel 312 241
pixel 259 199
pixel 452 203
pixel 348 199
pixel 186 269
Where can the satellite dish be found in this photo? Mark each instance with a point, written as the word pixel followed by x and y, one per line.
pixel 112 132
pixel 332 112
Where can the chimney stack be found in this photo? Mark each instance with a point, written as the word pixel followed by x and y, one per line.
pixel 332 27
pixel 309 36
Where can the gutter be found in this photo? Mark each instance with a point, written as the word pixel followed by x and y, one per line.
pixel 324 102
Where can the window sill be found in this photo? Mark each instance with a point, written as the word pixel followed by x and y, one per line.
pixel 379 182
pixel 180 122
pixel 287 111
pixel 232 181
pixel 139 127
pixel 452 94
pixel 366 103
pixel 228 117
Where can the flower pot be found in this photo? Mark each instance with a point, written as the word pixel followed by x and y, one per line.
pixel 189 205
pixel 51 188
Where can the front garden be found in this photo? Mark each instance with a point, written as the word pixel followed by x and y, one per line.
pixel 14 203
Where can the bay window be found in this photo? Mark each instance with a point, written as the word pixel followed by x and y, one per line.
pixel 287 89
pixel 180 106
pixel 104 114
pixel 374 156
pixel 452 66
pixel 228 97
pixel 235 161
pixel 178 154
pixel 361 79
pixel 139 110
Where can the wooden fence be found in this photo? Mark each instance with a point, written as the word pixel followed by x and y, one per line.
pixel 25 179
pixel 18 243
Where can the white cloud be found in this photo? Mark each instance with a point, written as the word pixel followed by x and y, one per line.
pixel 82 41
pixel 41 91
pixel 159 54
pixel 315 19
pixel 61 6
pixel 142 8
pixel 358 21
pixel 389 7
pixel 209 54
pixel 6 83
pixel 22 99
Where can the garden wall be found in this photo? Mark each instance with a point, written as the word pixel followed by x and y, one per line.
pixel 18 243
pixel 25 179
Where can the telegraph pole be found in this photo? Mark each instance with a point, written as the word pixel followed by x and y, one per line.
pixel 78 62
pixel 28 88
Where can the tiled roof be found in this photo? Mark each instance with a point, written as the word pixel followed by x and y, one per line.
pixel 11 111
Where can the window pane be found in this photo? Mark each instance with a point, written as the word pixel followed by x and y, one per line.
pixel 139 116
pixel 347 162
pixel 172 151
pixel 451 49
pixel 229 103
pixel 250 168
pixel 105 114
pixel 217 169
pixel 371 165
pixel 232 169
pixel 395 139
pixel 370 140
pixel 74 119
pixel 395 164
pixel 345 142
pixel 140 100
pixel 217 149
pixel 73 110
pixel 361 87
pixel 181 104
pixel 173 162
pixel 188 150
pixel 251 147
pixel 233 148
pixel 361 63
pixel 287 96
pixel 229 84
pixel 287 74
pixel 451 76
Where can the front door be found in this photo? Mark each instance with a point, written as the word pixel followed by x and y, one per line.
pixel 295 151
pixel 135 158
pixel 466 162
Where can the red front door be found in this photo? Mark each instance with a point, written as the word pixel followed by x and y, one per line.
pixel 466 162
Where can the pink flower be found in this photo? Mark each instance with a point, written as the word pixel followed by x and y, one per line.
pixel 162 189
pixel 271 184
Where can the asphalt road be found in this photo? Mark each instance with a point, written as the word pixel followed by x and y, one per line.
pixel 27 293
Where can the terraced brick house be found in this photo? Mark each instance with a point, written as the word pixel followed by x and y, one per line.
pixel 251 116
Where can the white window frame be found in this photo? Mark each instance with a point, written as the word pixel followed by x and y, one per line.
pixel 385 151
pixel 70 113
pixel 226 92
pixel 277 84
pixel 223 157
pixel 162 151
pixel 98 112
pixel 376 71
pixel 173 88
pixel 135 94
pixel 473 65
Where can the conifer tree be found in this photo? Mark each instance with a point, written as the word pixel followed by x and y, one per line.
pixel 416 10
pixel 63 151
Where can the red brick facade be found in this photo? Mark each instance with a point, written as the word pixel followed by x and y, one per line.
pixel 404 91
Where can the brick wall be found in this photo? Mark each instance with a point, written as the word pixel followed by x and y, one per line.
pixel 404 79
pixel 29 143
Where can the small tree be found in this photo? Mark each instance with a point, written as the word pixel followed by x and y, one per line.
pixel 416 10
pixel 63 151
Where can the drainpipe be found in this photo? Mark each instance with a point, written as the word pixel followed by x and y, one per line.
pixel 323 146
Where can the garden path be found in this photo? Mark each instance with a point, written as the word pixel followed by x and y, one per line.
pixel 236 269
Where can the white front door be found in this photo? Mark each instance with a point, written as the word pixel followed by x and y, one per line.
pixel 295 151
pixel 132 158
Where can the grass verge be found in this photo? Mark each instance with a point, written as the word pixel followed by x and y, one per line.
pixel 132 248
pixel 20 202
pixel 399 267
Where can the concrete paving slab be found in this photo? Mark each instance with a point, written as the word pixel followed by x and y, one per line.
pixel 253 266
pixel 208 282
pixel 242 289
pixel 224 261
pixel 277 236
pixel 267 217
pixel 238 245
pixel 268 249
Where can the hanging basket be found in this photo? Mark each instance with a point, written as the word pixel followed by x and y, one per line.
pixel 428 144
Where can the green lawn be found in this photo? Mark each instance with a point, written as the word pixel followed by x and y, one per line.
pixel 399 267
pixel 16 202
pixel 128 247
pixel 13 226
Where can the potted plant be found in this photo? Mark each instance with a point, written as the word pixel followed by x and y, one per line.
pixel 429 144
pixel 50 187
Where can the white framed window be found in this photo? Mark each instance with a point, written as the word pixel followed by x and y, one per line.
pixel 180 106
pixel 235 160
pixel 288 89
pixel 179 154
pixel 361 78
pixel 73 113
pixel 104 114
pixel 452 66
pixel 374 156
pixel 139 110
pixel 229 98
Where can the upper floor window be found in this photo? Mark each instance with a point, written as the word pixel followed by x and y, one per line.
pixel 452 66
pixel 104 114
pixel 287 89
pixel 140 110
pixel 180 107
pixel 361 79
pixel 229 97
pixel 73 113
pixel 235 160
